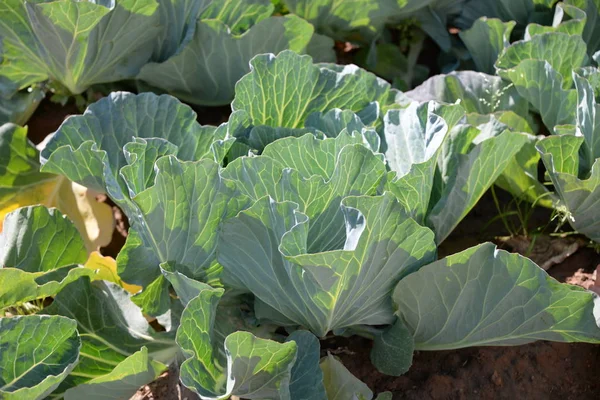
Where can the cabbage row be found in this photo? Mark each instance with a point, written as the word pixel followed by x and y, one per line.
pixel 316 210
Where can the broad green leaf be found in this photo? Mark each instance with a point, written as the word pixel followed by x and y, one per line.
pixel 255 368
pixel 22 184
pixel 125 145
pixel 562 51
pixel 239 16
pixel 260 367
pixel 512 120
pixel 338 167
pixel 372 112
pixel 520 11
pixel 40 250
pixel 520 177
pixel 185 288
pixel 588 120
pixel 111 328
pixel 122 382
pixel 453 114
pixel 307 377
pixel 321 49
pixel 567 19
pixel 207 68
pixel 265 250
pixel 392 352
pixel 283 90
pixel 560 154
pixel 340 383
pixel 323 153
pixel 471 177
pixel 334 122
pixel 355 20
pixel 37 239
pixel 19 286
pixel 154 299
pixel 591 32
pixel 592 76
pixel 141 156
pixel 438 176
pixel 485 296
pixel 36 353
pixel 486 98
pixel 90 148
pixel 20 63
pixel 478 92
pixel 75 44
pixel 180 221
pixel 260 136
pixel 578 197
pixel 177 23
pixel 542 86
pixel 20 106
pixel 413 137
pixel 231 314
pixel 460 140
pixel 485 40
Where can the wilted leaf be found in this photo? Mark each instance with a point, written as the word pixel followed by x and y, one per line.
pixel 22 184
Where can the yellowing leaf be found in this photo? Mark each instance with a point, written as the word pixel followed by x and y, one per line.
pixel 106 269
pixel 35 194
pixel 93 219
pixel 22 184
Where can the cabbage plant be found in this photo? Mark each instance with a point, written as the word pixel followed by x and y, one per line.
pixel 572 158
pixel 314 211
pixel 193 49
pixel 207 50
pixel 549 75
pixel 74 44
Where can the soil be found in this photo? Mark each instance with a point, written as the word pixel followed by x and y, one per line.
pixel 540 370
pixel 166 387
pixel 47 118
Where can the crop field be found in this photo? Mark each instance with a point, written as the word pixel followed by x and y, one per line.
pixel 299 199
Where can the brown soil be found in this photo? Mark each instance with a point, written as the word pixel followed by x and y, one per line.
pixel 47 118
pixel 166 387
pixel 539 370
pixel 119 233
